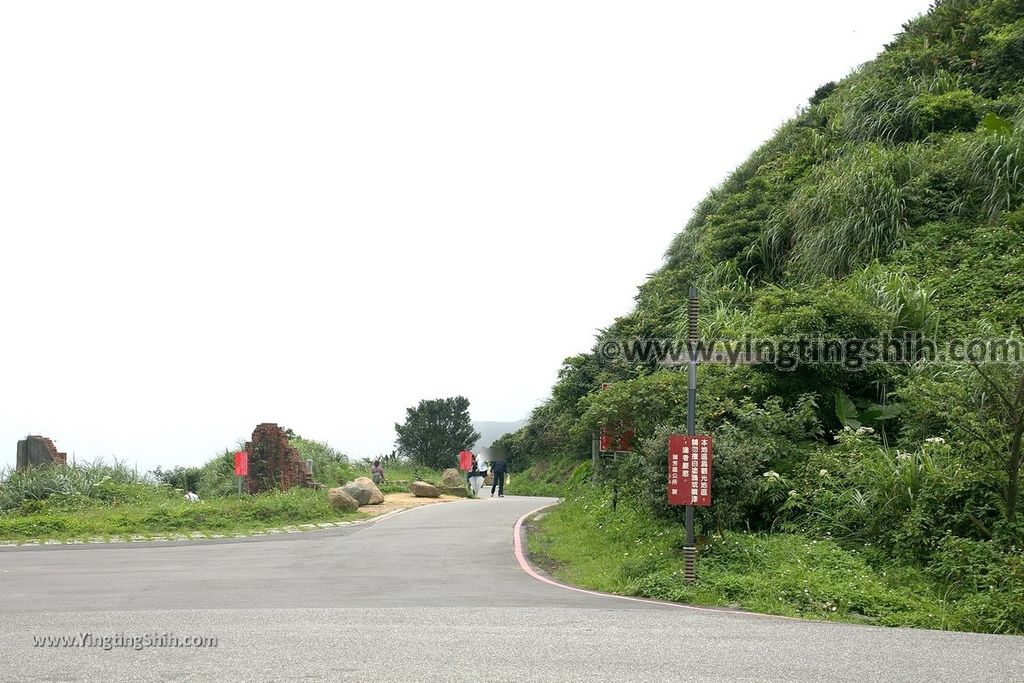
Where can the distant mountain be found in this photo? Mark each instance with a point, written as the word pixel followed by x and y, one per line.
pixel 491 431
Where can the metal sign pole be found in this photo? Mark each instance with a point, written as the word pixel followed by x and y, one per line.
pixel 690 548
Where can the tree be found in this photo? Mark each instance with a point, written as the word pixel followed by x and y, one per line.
pixel 435 431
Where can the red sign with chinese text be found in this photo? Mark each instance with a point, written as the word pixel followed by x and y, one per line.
pixel 621 442
pixel 242 464
pixel 689 470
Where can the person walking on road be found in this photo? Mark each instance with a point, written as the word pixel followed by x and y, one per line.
pixel 476 479
pixel 499 468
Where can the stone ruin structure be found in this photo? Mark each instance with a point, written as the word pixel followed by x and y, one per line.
pixel 273 462
pixel 37 451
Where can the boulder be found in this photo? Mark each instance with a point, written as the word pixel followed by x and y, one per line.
pixel 454 491
pixel 341 501
pixel 453 477
pixel 364 491
pixel 422 489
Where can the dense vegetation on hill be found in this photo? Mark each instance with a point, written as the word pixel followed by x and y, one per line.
pixel 893 204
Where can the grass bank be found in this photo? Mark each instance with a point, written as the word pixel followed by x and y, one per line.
pixel 584 542
pixel 100 500
pixel 548 477
pixel 144 510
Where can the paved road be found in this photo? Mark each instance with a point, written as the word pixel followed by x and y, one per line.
pixel 432 594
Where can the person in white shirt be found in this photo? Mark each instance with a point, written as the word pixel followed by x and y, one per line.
pixel 476 479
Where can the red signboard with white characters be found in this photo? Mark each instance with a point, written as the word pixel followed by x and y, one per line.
pixel 611 442
pixel 689 470
pixel 241 464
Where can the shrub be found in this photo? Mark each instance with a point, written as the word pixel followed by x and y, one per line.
pixel 180 478
pixel 987 583
pixel 748 439
pixel 953 110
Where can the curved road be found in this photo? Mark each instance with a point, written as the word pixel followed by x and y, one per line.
pixel 431 594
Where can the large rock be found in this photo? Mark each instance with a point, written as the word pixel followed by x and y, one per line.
pixel 454 491
pixel 365 491
pixel 341 501
pixel 422 489
pixel 453 477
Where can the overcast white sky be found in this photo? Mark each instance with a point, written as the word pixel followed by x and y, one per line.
pixel 215 214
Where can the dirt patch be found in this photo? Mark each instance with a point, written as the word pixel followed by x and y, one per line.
pixel 400 501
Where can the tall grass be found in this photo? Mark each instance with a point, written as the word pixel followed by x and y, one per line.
pixel 852 211
pixel 82 479
pixel 910 305
pixel 996 169
pixel 331 467
pixel 877 106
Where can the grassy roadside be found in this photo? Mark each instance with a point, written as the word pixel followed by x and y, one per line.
pixel 583 542
pixel 101 501
pixel 547 477
pixel 111 501
pixel 153 511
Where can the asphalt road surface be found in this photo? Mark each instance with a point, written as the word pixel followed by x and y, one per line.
pixel 435 593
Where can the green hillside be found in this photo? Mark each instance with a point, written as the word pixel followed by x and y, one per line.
pixel 891 206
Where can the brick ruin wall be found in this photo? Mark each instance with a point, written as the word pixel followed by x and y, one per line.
pixel 36 451
pixel 273 462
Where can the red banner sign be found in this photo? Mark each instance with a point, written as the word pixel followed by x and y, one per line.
pixel 241 464
pixel 689 470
